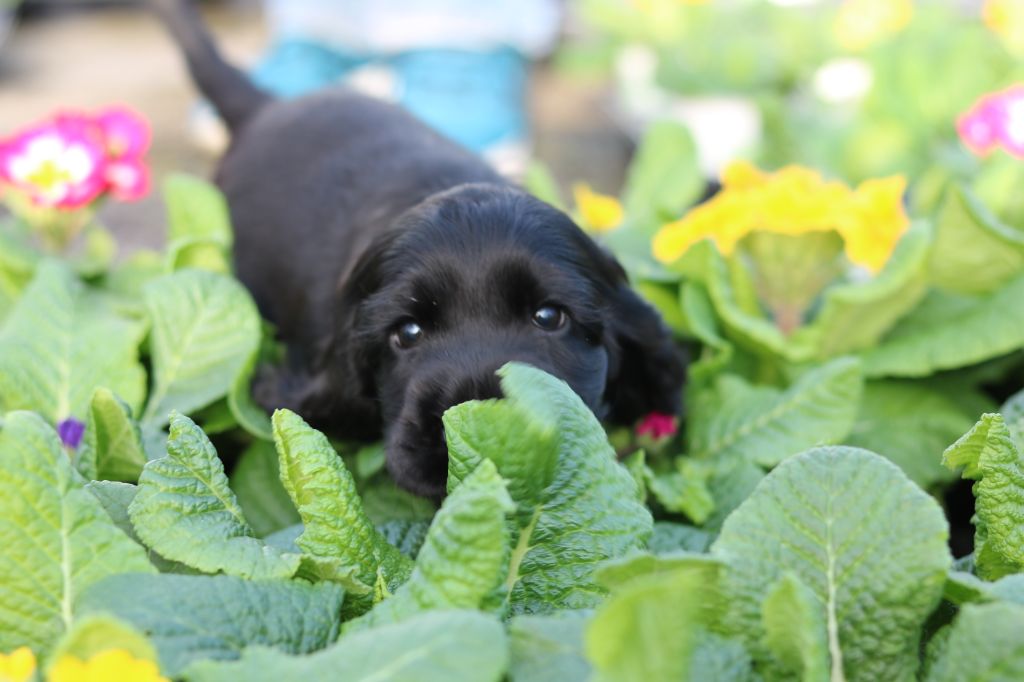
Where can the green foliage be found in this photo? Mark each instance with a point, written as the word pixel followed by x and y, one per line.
pixel 57 540
pixel 189 618
pixel 112 449
pixel 576 506
pixel 989 457
pixel 984 645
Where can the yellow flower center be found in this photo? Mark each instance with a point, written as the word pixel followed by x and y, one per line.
pixel 793 201
pixel 49 175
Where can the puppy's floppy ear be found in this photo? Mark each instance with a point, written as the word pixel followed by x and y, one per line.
pixel 646 368
pixel 335 389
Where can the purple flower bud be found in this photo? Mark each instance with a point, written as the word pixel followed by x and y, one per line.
pixel 70 431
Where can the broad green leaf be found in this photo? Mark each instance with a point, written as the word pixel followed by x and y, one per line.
pixel 56 538
pixel 205 330
pixel 1013 414
pixel 615 573
pixel 685 490
pixel 116 497
pixel 910 423
pixel 867 542
pixel 185 511
pixel 853 316
pixel 763 424
pixel 674 537
pixel 464 557
pixel 17 265
pixel 407 536
pixel 984 645
pixel 649 629
pixel 249 415
pixel 199 226
pixel 948 331
pixel 576 506
pixel 730 485
pixel 337 534
pixel 57 347
pixel 973 251
pixel 256 481
pixel 990 458
pixel 96 633
pixel 794 627
pixel 965 588
pixel 664 177
pixel 440 646
pixel 195 617
pixel 112 448
pixel 548 648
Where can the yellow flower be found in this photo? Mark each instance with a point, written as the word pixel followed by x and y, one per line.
pixel 793 201
pixel 18 665
pixel 1005 18
pixel 600 213
pixel 114 665
pixel 862 23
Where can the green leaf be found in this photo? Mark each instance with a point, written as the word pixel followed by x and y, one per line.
pixel 685 490
pixel 910 423
pixel 256 481
pixel 406 535
pixel 539 181
pixel 185 511
pixel 1013 414
pixel 737 419
pixel 990 458
pixel 56 538
pixel 548 648
pixel 730 485
pixel 948 331
pixel 199 227
pixel 964 588
pixel 116 497
pixel 576 506
pixel 205 330
pixel 867 542
pixel 112 449
pixel 795 630
pixel 984 645
pixel 664 177
pixel 440 646
pixel 95 633
pixel 674 537
pixel 854 316
pixel 649 629
pixel 17 265
pixel 338 536
pixel 463 558
pixel 973 251
pixel 189 618
pixel 249 415
pixel 57 347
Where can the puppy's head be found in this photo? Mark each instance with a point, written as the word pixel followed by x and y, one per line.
pixel 474 278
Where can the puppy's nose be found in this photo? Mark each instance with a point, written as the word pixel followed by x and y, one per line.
pixel 482 386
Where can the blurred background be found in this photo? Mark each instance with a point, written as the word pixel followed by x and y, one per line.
pixel 853 88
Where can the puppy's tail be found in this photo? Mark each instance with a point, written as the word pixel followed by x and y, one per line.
pixel 233 95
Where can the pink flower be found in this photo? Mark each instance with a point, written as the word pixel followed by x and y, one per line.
pixel 996 120
pixel 126 134
pixel 657 425
pixel 72 160
pixel 58 164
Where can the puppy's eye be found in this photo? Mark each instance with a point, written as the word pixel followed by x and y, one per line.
pixel 550 318
pixel 407 334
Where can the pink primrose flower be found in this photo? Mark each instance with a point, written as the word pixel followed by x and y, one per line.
pixel 657 425
pixel 996 120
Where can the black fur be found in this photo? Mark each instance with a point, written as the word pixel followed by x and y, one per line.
pixel 351 217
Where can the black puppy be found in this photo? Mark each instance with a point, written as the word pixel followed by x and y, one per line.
pixel 401 271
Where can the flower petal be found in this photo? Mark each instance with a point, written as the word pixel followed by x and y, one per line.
pixel 126 133
pixel 128 178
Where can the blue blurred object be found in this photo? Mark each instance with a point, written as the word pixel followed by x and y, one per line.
pixel 293 67
pixel 476 98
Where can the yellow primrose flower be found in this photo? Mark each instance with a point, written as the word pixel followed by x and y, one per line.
pixel 862 23
pixel 18 665
pixel 793 201
pixel 600 213
pixel 1005 18
pixel 114 665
